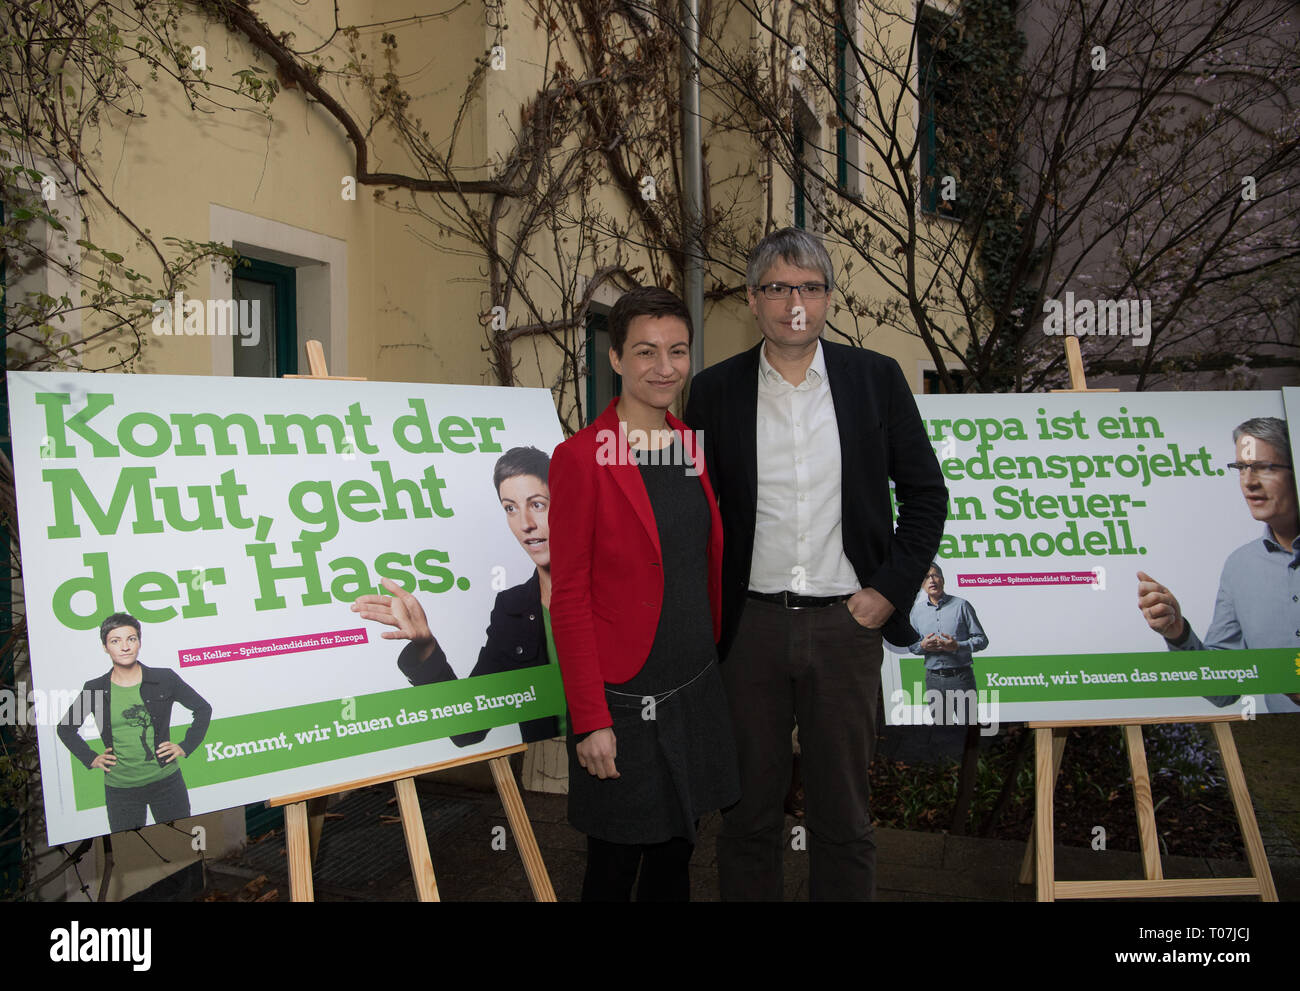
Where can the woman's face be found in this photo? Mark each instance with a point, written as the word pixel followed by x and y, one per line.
pixel 122 645
pixel 656 360
pixel 527 500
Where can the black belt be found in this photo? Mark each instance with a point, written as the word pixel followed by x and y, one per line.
pixel 950 672
pixel 792 601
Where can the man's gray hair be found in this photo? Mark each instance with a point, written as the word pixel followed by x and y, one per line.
pixel 1270 429
pixel 793 246
pixel 934 566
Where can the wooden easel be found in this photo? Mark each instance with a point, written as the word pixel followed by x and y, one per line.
pixel 300 847
pixel 302 826
pixel 1049 743
pixel 1049 748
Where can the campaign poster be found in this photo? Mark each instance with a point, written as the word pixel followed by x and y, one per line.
pixel 1291 400
pixel 1056 503
pixel 237 521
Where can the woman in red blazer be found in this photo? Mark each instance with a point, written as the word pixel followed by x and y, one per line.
pixel 636 570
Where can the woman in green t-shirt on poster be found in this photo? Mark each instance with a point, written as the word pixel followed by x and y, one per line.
pixel 132 705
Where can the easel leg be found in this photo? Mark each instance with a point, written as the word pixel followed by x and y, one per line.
pixel 417 841
pixel 1245 812
pixel 1045 769
pixel 108 867
pixel 966 780
pixel 316 821
pixel 1058 754
pixel 1143 804
pixel 522 829
pixel 298 848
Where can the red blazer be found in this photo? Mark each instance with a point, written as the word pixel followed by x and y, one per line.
pixel 607 582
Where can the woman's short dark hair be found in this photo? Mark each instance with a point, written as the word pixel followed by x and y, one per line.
pixel 645 301
pixel 520 461
pixel 112 622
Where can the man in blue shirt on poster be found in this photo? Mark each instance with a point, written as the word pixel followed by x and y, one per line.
pixel 1260 585
pixel 950 634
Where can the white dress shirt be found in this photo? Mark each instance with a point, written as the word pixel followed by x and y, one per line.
pixel 797 543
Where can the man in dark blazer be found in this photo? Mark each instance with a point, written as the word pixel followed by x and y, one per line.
pixel 802 437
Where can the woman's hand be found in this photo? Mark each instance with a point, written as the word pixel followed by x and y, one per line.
pixel 402 610
pixel 170 751
pixel 104 761
pixel 597 752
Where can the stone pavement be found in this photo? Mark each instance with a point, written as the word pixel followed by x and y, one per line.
pixel 362 857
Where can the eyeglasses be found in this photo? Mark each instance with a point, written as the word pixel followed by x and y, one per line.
pixel 1262 469
pixel 779 290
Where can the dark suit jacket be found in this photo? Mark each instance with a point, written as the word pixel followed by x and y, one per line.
pixel 606 564
pixel 881 437
pixel 159 688
pixel 516 638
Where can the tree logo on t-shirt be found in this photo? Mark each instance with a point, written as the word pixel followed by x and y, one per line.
pixel 138 716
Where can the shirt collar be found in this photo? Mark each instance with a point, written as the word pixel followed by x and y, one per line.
pixel 1272 545
pixel 816 371
pixel 943 600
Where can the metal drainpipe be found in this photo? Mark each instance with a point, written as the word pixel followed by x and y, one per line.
pixel 693 172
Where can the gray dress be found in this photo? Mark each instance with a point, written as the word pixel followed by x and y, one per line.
pixel 676 756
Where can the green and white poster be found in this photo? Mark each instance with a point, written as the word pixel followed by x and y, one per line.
pixel 1056 503
pixel 237 520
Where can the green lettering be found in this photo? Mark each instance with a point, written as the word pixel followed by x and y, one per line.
pixel 138 592
pixel 206 519
pixel 452 430
pixel 268 574
pixel 196 583
pixel 349 585
pixel 354 492
pixel 67 484
pixel 220 427
pixel 96 403
pixel 486 425
pixel 310 427
pixel 100 587
pixel 162 434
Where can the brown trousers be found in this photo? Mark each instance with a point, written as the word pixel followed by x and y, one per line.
pixel 823 668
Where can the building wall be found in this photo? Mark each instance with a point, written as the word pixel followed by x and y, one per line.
pixel 275 188
pixel 1132 215
pixel 732 150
